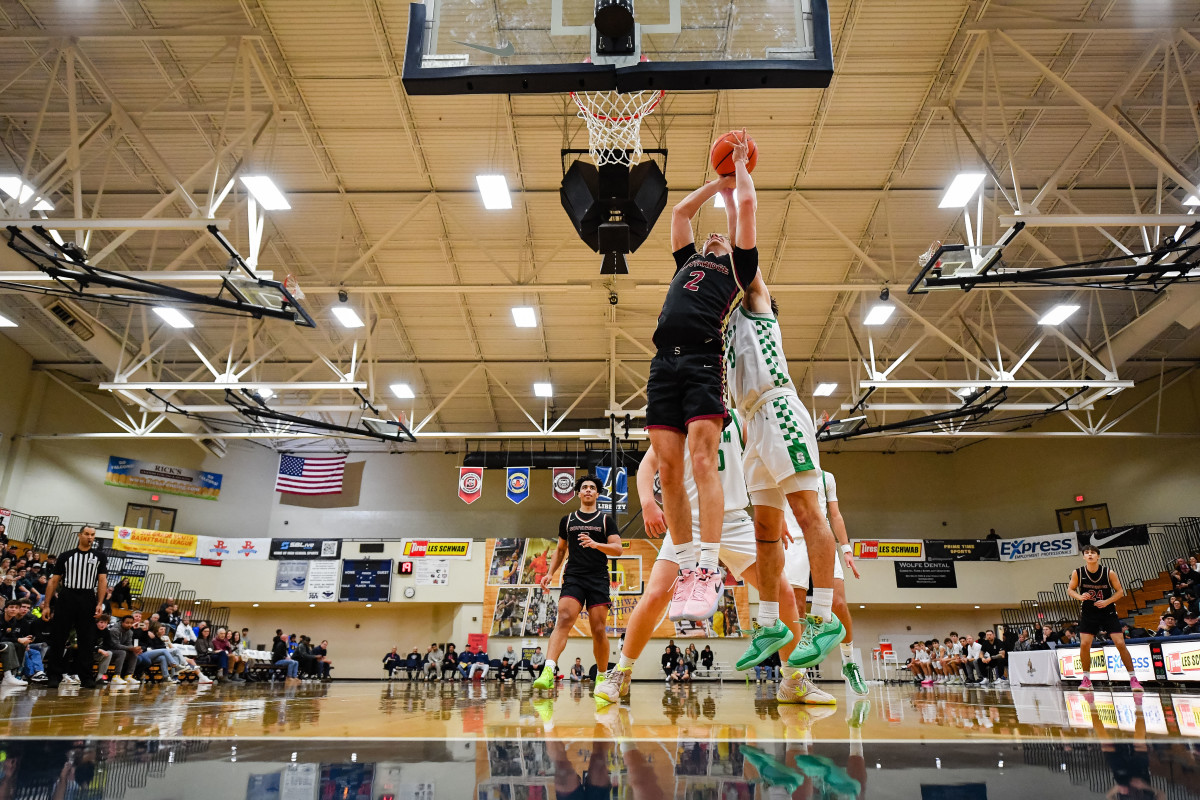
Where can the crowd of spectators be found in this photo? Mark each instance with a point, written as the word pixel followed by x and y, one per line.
pixel 967 661
pixel 438 663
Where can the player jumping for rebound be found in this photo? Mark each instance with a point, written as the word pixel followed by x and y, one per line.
pixel 685 405
pixel 737 551
pixel 797 572
pixel 589 538
pixel 782 465
pixel 1097 588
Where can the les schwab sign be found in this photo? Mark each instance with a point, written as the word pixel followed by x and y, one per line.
pixel 437 548
pixel 904 549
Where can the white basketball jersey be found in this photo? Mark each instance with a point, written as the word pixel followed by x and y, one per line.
pixel 729 469
pixel 754 357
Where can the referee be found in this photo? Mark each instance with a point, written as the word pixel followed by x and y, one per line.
pixel 80 580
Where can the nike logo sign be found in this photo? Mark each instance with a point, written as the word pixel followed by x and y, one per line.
pixel 1104 540
pixel 503 52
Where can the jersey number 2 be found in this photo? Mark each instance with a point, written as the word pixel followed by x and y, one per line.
pixel 694 284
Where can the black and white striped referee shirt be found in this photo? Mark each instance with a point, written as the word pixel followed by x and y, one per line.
pixel 79 570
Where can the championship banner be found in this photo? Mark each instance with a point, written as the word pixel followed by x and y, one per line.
pixel 159 543
pixel 904 549
pixel 218 549
pixel 133 474
pixel 1125 536
pixel 1057 545
pixel 516 488
pixel 470 484
pixel 925 575
pixel 437 548
pixel 604 502
pixel 962 550
pixel 562 485
pixel 283 549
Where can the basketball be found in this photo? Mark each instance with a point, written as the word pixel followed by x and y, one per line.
pixel 722 153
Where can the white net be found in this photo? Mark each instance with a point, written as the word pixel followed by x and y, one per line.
pixel 614 123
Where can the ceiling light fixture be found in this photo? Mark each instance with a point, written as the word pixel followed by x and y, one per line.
pixel 17 189
pixel 265 392
pixel 402 390
pixel 1058 314
pixel 5 322
pixel 173 317
pixel 523 317
pixel 543 390
pixel 824 389
pixel 265 192
pixel 494 189
pixel 879 314
pixel 967 391
pixel 1192 200
pixel 962 189
pixel 347 317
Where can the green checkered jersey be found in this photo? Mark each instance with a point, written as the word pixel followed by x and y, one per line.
pixel 754 358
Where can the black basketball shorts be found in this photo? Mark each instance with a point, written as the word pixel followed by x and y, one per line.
pixel 588 593
pixel 684 387
pixel 1099 622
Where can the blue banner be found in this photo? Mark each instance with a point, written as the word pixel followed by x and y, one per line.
pixel 604 502
pixel 517 485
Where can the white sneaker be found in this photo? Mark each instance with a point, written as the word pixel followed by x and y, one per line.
pixel 797 688
pixel 70 679
pixel 132 683
pixel 116 680
pixel 10 679
pixel 985 682
pixel 203 679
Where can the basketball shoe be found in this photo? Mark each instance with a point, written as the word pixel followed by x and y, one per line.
pixel 614 686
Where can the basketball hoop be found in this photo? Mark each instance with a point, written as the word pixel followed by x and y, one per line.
pixel 614 122
pixel 923 259
pixel 293 287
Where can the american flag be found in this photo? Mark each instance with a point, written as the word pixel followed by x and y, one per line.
pixel 310 475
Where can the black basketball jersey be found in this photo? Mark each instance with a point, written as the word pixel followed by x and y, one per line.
pixel 1098 584
pixel 703 293
pixel 584 562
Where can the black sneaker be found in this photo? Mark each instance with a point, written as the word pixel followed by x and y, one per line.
pixel 88 684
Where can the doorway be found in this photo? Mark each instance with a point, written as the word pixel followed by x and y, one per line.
pixel 1083 518
pixel 155 518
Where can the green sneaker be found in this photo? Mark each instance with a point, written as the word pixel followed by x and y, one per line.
pixel 854 677
pixel 836 779
pixel 858 714
pixel 544 708
pixel 772 772
pixel 546 679
pixel 764 642
pixel 817 640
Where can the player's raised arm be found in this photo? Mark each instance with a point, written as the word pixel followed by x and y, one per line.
pixel 747 200
pixel 688 207
pixel 757 299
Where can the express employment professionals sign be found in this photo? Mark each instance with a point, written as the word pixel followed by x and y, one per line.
pixel 1053 546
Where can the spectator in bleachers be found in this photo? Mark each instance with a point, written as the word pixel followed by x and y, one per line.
pixel 120 639
pixel 282 659
pixel 537 660
pixel 683 673
pixel 434 657
pixel 15 638
pixel 414 664
pixel 505 672
pixel 153 652
pixel 391 663
pixel 8 589
pixel 706 657
pixel 450 663
pixel 670 658
pixel 208 655
pixel 237 664
pixel 324 663
pixel 1048 639
pixel 106 653
pixel 121 595
pixel 1024 642
pixel 993 660
pixel 478 664
pixel 1176 609
pixel 1166 626
pixel 577 671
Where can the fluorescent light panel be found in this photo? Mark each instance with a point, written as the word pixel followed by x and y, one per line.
pixel 824 389
pixel 173 317
pixel 1192 200
pixel 265 192
pixel 523 317
pixel 967 391
pixel 347 316
pixel 265 393
pixel 5 322
pixel 879 314
pixel 543 390
pixel 1058 314
pixel 494 189
pixel 16 188
pixel 962 189
pixel 402 390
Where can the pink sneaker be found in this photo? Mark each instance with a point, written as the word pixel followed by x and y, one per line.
pixel 927 682
pixel 705 596
pixel 1135 684
pixel 1086 684
pixel 683 590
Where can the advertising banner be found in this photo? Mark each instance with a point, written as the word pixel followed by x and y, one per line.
pixel 1125 536
pixel 291 576
pixel 159 543
pixel 133 474
pixel 604 502
pixel 1056 545
pixel 437 548
pixel 323 579
pixel 1106 664
pixel 432 572
pixel 562 484
pixel 305 548
pixel 1182 660
pixel 906 549
pixel 925 575
pixel 962 550
pixel 218 549
pixel 470 484
pixel 1070 666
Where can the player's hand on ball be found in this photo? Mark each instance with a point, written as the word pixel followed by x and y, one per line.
pixel 656 523
pixel 741 148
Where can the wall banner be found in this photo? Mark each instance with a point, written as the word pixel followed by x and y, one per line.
pixel 621 490
pixel 133 474
pixel 324 577
pixel 962 550
pixel 925 575
pixel 159 543
pixel 1057 545
pixel 437 548
pixel 282 549
pixel 1123 536
pixel 231 549
pixel 291 576
pixel 906 549
pixel 562 484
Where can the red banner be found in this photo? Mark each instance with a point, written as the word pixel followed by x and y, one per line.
pixel 563 484
pixel 470 483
